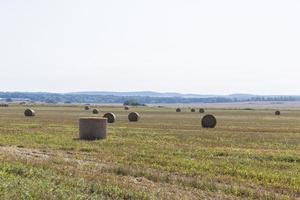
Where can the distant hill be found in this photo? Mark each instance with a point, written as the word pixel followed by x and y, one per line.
pixel 143 97
pixel 164 94
pixel 144 94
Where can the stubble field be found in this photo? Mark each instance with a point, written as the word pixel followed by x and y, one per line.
pixel 251 154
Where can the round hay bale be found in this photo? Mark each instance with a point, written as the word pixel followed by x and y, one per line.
pixel 133 117
pixel 201 110
pixel 126 108
pixel 86 107
pixel 111 117
pixel 178 110
pixel 29 112
pixel 277 112
pixel 209 121
pixel 95 111
pixel 92 128
pixel 193 110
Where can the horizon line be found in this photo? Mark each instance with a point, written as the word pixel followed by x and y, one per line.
pixel 140 91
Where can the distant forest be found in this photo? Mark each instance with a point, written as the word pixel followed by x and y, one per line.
pixel 89 98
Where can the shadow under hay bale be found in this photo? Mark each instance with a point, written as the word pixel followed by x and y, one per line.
pixel 111 117
pixel 134 117
pixel 178 110
pixel 29 113
pixel 95 111
pixel 126 108
pixel 193 110
pixel 209 121
pixel 92 128
pixel 86 107
pixel 201 110
pixel 277 112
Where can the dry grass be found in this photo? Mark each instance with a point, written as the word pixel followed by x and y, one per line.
pixel 251 154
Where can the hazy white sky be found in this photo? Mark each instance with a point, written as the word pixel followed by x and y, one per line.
pixel 188 46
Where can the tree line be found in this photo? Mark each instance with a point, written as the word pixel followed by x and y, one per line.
pixel 87 98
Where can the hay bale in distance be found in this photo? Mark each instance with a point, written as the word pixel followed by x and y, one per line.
pixel 209 121
pixel 178 110
pixel 95 111
pixel 111 117
pixel 134 117
pixel 29 112
pixel 193 110
pixel 201 110
pixel 126 108
pixel 92 128
pixel 86 107
pixel 277 112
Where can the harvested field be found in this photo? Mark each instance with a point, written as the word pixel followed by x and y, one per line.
pixel 251 154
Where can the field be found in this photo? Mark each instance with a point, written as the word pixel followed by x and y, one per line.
pixel 251 154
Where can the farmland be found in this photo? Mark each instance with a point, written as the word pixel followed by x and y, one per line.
pixel 251 154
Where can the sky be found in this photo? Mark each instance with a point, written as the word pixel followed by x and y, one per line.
pixel 187 46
